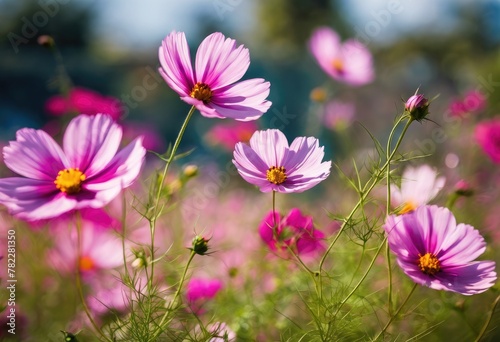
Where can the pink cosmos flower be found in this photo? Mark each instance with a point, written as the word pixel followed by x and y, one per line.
pixel 350 62
pixel 86 172
pixel 338 115
pixel 229 134
pixel 419 185
pixel 99 249
pixel 295 231
pixel 271 164
pixel 487 134
pixel 201 290
pixel 211 86
pixel 84 101
pixel 473 102
pixel 435 251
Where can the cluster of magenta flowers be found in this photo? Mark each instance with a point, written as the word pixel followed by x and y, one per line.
pixel 89 170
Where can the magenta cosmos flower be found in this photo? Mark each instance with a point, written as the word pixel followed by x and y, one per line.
pixel 271 164
pixel 210 87
pixel 82 100
pixel 435 251
pixel 488 136
pixel 350 62
pixel 294 230
pixel 86 172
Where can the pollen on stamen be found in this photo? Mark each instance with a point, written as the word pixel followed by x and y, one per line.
pixel 86 263
pixel 406 208
pixel 429 264
pixel 338 65
pixel 276 175
pixel 202 92
pixel 70 180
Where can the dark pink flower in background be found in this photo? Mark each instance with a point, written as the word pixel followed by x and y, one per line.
pixel 435 251
pixel 294 230
pixel 227 135
pixel 473 102
pixel 87 172
pixel 349 62
pixel 84 101
pixel 271 164
pixel 211 86
pixel 338 115
pixel 201 290
pixel 487 134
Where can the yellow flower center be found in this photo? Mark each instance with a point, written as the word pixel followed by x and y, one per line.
pixel 202 92
pixel 276 175
pixel 70 180
pixel 407 207
pixel 429 264
pixel 86 263
pixel 338 65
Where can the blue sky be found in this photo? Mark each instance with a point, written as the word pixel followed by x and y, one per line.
pixel 136 24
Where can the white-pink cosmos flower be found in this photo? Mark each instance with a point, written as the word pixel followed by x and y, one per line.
pixel 88 171
pixel 419 185
pixel 211 86
pixel 349 62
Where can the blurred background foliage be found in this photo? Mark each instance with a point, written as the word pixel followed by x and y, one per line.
pixel 104 48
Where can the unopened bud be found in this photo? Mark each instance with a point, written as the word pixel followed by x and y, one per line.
pixel 200 245
pixel 318 94
pixel 462 188
pixel 46 41
pixel 140 260
pixel 190 171
pixel 417 106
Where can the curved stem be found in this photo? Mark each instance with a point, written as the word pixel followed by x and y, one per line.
pixel 366 192
pixel 396 313
pixel 79 280
pixel 362 278
pixel 485 326
pixel 156 202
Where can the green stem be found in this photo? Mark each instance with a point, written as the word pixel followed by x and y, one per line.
pixel 365 193
pixel 156 203
pixel 388 212
pixel 362 278
pixel 396 314
pixel 173 305
pixel 485 326
pixel 79 286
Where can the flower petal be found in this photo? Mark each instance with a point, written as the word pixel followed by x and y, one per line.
pixel 33 199
pixel 90 142
pixel 35 155
pixel 219 62
pixel 243 101
pixel 175 63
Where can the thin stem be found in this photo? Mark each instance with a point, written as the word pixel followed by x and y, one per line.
pixel 172 304
pixel 362 278
pixel 365 194
pixel 79 280
pixel 156 202
pixel 388 212
pixel 485 326
pixel 396 314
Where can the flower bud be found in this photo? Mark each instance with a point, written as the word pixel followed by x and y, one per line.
pixel 190 171
pixel 200 245
pixel 462 188
pixel 140 260
pixel 318 94
pixel 46 41
pixel 417 106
